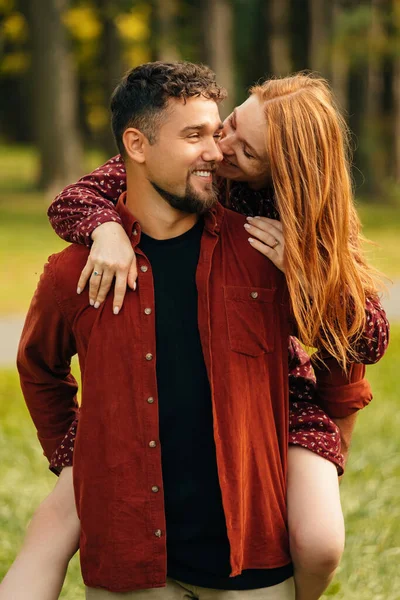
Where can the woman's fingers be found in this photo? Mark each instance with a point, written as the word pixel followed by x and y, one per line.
pixel 111 257
pixel 267 238
pixel 265 221
pixel 119 290
pixel 268 226
pixel 132 275
pixel 94 284
pixel 106 279
pixel 85 275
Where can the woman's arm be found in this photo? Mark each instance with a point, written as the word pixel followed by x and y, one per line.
pixel 85 213
pixel 83 206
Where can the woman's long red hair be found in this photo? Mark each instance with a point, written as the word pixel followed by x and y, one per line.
pixel 328 278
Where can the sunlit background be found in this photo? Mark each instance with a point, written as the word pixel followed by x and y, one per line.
pixel 60 61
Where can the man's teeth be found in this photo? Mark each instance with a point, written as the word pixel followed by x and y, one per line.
pixel 202 173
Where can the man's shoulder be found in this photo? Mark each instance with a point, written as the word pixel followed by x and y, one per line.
pixel 65 267
pixel 73 256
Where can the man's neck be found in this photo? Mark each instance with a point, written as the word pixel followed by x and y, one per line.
pixel 157 218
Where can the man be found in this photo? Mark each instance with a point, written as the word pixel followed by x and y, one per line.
pixel 210 379
pixel 195 364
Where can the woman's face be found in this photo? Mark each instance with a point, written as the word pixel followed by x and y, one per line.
pixel 243 145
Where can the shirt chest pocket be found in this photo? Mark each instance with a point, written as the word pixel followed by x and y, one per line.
pixel 250 318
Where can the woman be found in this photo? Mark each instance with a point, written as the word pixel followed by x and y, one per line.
pixel 288 160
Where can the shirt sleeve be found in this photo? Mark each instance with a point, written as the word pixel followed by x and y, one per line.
pixel 373 344
pixel 83 206
pixel 44 363
pixel 64 454
pixel 302 384
pixel 336 392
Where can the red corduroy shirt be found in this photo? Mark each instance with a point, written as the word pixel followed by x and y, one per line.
pixel 243 319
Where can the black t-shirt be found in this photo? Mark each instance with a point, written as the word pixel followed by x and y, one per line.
pixel 197 542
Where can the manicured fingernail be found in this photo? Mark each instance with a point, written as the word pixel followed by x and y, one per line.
pixel 78 290
pixel 246 226
pixel 134 286
pixel 116 310
pixel 97 304
pixel 91 302
pixel 251 240
pixel 249 218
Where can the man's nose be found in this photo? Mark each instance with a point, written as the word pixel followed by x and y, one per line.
pixel 212 153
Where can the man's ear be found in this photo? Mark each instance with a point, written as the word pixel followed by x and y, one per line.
pixel 134 142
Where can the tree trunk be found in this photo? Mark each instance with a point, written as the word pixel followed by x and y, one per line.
pixel 318 49
pixel 54 97
pixel 396 96
pixel 110 62
pixel 279 38
pixel 166 13
pixel 339 67
pixel 218 36
pixel 372 142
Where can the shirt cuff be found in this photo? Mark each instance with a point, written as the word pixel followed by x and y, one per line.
pixel 341 394
pixel 86 227
pixel 63 455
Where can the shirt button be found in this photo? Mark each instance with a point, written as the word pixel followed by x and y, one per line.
pixel 149 356
pixel 150 400
pixel 147 311
pixel 254 295
pixel 152 444
pixel 158 533
pixel 144 268
pixel 134 232
pixel 155 488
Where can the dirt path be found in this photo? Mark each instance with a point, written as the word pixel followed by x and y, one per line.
pixel 11 327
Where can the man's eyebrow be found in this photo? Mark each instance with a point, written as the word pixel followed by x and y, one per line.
pixel 199 127
pixel 241 139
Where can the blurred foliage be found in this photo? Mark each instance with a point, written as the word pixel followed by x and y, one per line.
pixel 363 35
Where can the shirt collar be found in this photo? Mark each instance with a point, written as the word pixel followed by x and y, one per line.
pixel 212 219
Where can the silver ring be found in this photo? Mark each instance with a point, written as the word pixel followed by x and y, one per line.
pixel 97 273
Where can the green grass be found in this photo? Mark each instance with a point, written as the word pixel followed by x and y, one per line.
pixel 381 225
pixel 370 489
pixel 26 237
pixel 25 479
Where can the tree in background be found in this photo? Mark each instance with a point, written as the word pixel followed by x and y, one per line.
pixel 166 12
pixel 396 89
pixel 54 95
pixel 277 16
pixel 354 43
pixel 217 29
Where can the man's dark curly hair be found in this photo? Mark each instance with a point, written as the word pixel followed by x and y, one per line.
pixel 141 98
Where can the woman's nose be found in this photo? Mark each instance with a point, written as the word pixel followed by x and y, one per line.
pixel 225 144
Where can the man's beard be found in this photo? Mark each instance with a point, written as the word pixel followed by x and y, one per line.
pixel 192 201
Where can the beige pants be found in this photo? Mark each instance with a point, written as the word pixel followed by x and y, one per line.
pixel 176 590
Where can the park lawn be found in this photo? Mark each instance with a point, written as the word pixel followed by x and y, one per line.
pixel 370 489
pixel 26 237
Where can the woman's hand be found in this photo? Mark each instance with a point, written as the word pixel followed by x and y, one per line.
pixel 111 256
pixel 267 238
